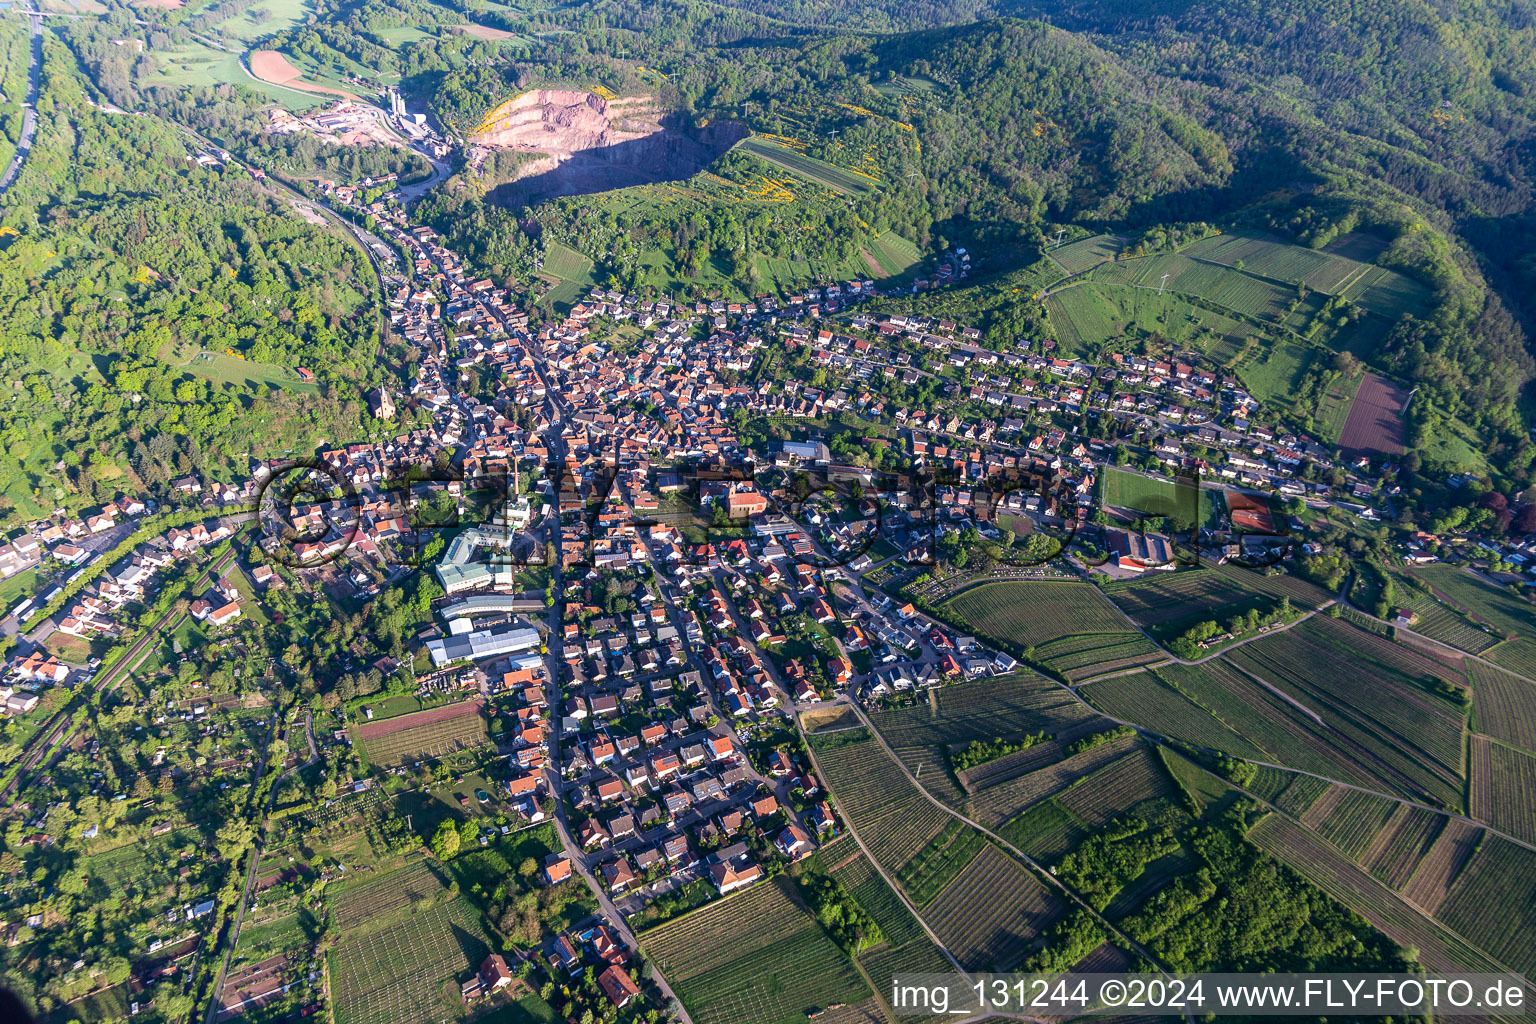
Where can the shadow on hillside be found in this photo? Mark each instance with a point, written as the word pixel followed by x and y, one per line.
pixel 675 153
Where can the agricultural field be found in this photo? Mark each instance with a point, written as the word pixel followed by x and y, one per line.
pixel 1157 497
pixel 1504 788
pixel 1085 253
pixel 1504 705
pixel 895 255
pixel 1388 294
pixel 928 871
pixel 866 886
pixel 1083 657
pixel 429 733
pixel 1046 831
pixel 1431 881
pixel 755 956
pixel 1379 709
pixel 1383 292
pixel 1118 788
pixel 1273 372
pixel 1439 621
pixel 1229 289
pixel 264 18
pixel 1004 707
pixel 1091 314
pixel 567 264
pixel 891 815
pixel 907 948
pixel 1003 801
pixel 1355 822
pixel 1402 845
pixel 355 902
pixel 1375 421
pixel 1328 869
pixel 991 913
pixel 1509 616
pixel 1168 603
pixel 1279 261
pixel 1334 406
pixel 1303 793
pixel 1497 876
pixel 837 178
pixel 1072 627
pixel 398 973
pixel 1153 704
pixel 1289 735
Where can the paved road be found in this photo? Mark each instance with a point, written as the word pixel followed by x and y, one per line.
pixel 29 108
pixel 555 659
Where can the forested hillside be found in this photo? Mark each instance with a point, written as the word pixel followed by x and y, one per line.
pixel 155 310
pixel 989 124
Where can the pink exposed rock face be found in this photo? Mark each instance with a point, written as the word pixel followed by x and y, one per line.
pixel 565 121
pixel 585 143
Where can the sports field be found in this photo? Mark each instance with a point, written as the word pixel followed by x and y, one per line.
pixel 1155 496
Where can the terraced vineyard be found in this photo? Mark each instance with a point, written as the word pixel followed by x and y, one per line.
pixel 1005 707
pixel 1505 705
pixel 808 167
pixel 1078 256
pixel 1504 788
pixel 1045 831
pixel 1432 879
pixel 1137 777
pixel 1281 261
pixel 998 803
pixel 907 948
pixel 991 912
pixel 1402 845
pixel 1289 735
pixel 396 974
pixel 755 956
pixel 1071 627
pixel 933 867
pixel 1377 707
pixel 1328 869
pixel 409 885
pixel 1508 615
pixel 1356 822
pixel 1493 905
pixel 1145 699
pixel 891 815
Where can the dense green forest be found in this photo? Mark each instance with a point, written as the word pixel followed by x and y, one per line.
pixel 155 310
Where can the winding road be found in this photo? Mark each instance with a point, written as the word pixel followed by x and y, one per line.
pixel 28 107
